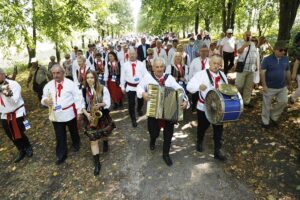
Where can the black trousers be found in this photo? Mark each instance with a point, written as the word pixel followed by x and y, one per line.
pixel 228 57
pixel 131 104
pixel 203 125
pixel 153 128
pixel 195 98
pixel 23 143
pixel 61 137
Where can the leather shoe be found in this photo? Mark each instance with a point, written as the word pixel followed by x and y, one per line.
pixel 273 123
pixel 266 126
pixel 140 113
pixel 200 147
pixel 167 160
pixel 134 124
pixel 75 149
pixel 220 156
pixel 105 146
pixel 29 152
pixel 20 157
pixel 61 160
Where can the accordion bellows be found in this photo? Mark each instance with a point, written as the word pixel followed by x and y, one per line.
pixel 165 103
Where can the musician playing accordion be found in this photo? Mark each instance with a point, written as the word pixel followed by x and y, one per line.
pixel 204 81
pixel 154 125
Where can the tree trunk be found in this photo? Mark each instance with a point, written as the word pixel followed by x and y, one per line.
pixel 287 14
pixel 103 34
pixel 232 18
pixel 82 42
pixel 224 15
pixel 57 52
pixel 207 24
pixel 229 10
pixel 197 18
pixel 31 49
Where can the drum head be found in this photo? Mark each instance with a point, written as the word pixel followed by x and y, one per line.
pixel 228 89
pixel 214 107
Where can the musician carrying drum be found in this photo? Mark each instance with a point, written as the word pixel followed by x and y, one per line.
pixel 205 81
pixel 99 123
pixel 158 77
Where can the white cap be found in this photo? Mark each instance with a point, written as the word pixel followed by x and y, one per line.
pixel 229 30
pixel 33 60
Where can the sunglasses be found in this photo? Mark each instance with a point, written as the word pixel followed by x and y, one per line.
pixel 281 50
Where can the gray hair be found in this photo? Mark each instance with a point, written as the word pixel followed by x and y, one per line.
pixel 61 69
pixel 159 59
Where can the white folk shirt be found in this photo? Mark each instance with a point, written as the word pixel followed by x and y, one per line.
pixel 106 99
pixel 162 54
pixel 196 66
pixel 202 78
pixel 13 102
pixel 127 74
pixel 228 44
pixel 148 79
pixel 121 57
pixel 69 94
pixel 171 55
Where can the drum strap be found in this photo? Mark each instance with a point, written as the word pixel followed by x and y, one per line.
pixel 210 78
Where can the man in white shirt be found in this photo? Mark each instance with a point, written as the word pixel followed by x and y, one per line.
pixel 203 82
pixel 198 64
pixel 172 51
pixel 13 115
pixel 64 99
pixel 160 52
pixel 158 77
pixel 131 74
pixel 227 48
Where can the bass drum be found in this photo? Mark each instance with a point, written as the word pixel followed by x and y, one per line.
pixel 223 108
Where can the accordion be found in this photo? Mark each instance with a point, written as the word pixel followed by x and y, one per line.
pixel 165 103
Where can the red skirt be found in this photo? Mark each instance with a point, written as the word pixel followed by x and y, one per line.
pixel 115 91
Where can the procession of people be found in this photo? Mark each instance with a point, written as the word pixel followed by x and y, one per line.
pixel 84 88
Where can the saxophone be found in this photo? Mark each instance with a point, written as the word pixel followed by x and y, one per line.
pixel 96 114
pixel 51 111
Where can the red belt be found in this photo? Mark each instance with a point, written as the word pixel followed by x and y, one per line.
pixel 12 119
pixel 74 108
pixel 201 101
pixel 132 84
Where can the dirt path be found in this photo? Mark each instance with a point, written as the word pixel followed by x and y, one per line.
pixel 261 164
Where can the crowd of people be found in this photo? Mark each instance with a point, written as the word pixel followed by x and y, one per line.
pixel 85 87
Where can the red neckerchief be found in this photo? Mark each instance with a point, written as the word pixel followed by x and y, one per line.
pixel 180 69
pixel 100 66
pixel 58 88
pixel 217 80
pixel 82 72
pixel 1 101
pixel 126 56
pixel 133 66
pixel 158 51
pixel 113 66
pixel 203 62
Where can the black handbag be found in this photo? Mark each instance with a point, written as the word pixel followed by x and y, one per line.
pixel 241 64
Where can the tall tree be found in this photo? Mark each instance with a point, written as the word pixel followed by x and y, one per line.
pixel 287 14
